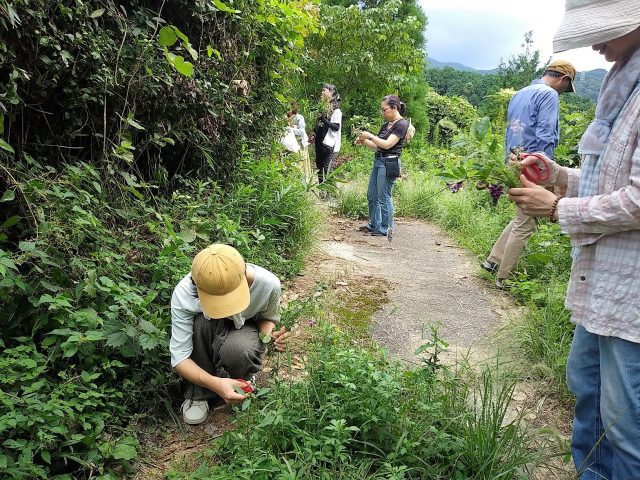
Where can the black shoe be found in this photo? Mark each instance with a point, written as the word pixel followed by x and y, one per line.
pixel 489 266
pixel 364 228
pixel 378 234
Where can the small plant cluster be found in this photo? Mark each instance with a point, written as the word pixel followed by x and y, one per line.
pixel 482 162
pixel 358 416
pixel 359 124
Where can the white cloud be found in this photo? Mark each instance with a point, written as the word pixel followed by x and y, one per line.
pixel 480 33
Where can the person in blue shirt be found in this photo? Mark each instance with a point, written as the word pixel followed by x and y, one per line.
pixel 532 126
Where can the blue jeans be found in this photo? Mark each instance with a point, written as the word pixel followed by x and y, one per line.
pixel 604 375
pixel 379 198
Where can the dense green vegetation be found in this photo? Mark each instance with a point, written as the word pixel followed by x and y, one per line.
pixel 132 134
pixel 341 55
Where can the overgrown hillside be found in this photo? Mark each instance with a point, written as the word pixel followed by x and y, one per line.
pixel 133 134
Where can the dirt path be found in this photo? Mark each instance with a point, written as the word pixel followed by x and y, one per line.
pixel 433 283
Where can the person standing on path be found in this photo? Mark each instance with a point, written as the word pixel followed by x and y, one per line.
pixel 532 126
pixel 218 312
pixel 327 135
pixel 386 164
pixel 601 213
pixel 298 126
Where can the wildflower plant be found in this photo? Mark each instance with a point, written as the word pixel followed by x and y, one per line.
pixel 482 161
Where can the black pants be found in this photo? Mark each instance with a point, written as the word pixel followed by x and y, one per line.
pixel 324 159
pixel 217 345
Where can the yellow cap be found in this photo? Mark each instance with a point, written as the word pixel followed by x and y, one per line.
pixel 565 68
pixel 219 274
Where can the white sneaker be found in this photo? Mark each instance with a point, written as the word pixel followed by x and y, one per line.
pixel 194 412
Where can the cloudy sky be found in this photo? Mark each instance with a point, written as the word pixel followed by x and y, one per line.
pixel 478 33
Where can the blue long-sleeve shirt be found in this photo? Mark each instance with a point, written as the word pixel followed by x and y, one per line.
pixel 533 119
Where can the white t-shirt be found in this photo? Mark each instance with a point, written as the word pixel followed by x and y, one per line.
pixel 333 138
pixel 185 305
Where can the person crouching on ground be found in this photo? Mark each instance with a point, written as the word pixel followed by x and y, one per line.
pixel 386 164
pixel 218 311
pixel 601 214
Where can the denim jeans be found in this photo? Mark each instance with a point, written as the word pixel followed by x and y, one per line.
pixel 604 375
pixel 379 198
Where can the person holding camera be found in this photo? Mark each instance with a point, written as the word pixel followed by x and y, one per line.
pixel 388 145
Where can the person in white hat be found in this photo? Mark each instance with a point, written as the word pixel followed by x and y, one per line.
pixel 600 211
pixel 218 311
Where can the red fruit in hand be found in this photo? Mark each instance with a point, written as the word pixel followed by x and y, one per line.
pixel 246 386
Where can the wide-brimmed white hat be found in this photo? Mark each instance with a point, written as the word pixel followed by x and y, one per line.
pixel 589 22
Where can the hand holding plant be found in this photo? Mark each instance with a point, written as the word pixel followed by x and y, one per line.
pixel 548 169
pixel 482 161
pixel 323 108
pixel 533 199
pixel 227 389
pixel 281 338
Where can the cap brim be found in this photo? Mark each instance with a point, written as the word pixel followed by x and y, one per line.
pixel 223 306
pixel 596 23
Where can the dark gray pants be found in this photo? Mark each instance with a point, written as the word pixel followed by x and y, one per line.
pixel 218 345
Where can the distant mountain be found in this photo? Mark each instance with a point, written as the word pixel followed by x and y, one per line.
pixel 587 83
pixel 433 63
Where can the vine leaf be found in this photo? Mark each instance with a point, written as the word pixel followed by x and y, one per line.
pixel 5 146
pixel 223 7
pixel 8 196
pixel 182 66
pixel 167 37
pixel 134 124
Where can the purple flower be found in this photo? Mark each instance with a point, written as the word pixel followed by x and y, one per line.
pixel 454 187
pixel 496 192
pixel 312 322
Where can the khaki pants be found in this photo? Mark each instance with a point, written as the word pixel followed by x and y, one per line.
pixel 306 164
pixel 511 243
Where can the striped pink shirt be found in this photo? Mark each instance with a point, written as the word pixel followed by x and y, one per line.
pixel 604 288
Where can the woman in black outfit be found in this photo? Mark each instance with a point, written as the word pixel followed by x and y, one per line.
pixel 328 131
pixel 386 165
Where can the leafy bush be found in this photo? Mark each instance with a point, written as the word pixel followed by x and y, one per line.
pixel 364 75
pixel 447 116
pixel 85 301
pixel 99 79
pixel 574 120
